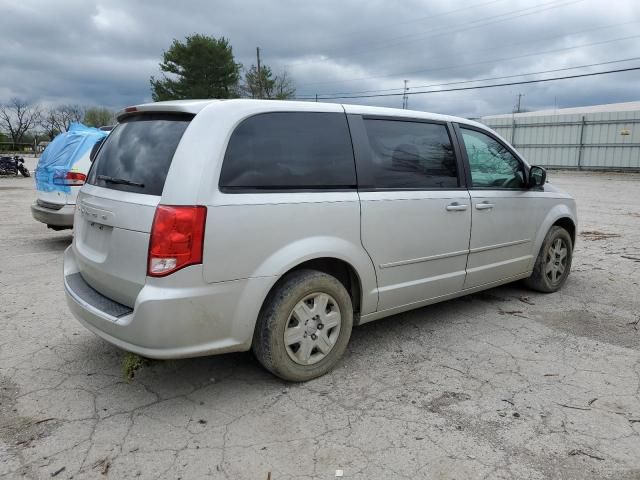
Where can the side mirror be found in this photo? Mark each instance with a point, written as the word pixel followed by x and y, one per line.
pixel 94 149
pixel 537 176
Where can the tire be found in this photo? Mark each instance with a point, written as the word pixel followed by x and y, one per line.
pixel 296 306
pixel 553 264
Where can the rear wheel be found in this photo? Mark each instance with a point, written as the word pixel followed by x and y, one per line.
pixel 304 327
pixel 553 263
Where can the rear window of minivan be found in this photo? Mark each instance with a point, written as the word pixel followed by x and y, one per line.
pixel 289 151
pixel 137 154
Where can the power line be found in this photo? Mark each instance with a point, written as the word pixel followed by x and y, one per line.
pixel 527 42
pixel 478 87
pixel 449 29
pixel 430 17
pixel 326 96
pixel 466 8
pixel 484 62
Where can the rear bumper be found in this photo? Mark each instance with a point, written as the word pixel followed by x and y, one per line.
pixel 174 317
pixel 56 218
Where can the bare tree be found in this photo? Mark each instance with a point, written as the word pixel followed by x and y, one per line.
pixel 49 123
pixel 17 117
pixel 266 85
pixel 284 87
pixel 58 119
pixel 67 114
pixel 258 84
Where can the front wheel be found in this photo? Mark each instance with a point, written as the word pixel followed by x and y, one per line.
pixel 304 326
pixel 553 263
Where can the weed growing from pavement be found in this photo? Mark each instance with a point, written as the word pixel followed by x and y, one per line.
pixel 130 363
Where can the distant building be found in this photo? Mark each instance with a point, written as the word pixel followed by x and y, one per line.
pixel 594 137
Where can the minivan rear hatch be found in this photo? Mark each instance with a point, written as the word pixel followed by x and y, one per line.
pixel 116 207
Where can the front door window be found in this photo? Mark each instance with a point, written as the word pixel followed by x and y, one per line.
pixel 492 164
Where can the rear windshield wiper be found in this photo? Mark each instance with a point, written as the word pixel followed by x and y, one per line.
pixel 120 181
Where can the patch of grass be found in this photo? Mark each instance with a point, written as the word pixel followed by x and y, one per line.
pixel 130 363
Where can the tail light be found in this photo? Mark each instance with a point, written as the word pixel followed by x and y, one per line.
pixel 70 179
pixel 177 237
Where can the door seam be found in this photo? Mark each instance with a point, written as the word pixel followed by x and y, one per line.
pixel 466 266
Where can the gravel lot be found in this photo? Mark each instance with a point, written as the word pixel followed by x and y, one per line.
pixel 503 384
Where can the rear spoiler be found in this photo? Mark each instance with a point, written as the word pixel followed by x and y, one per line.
pixel 175 106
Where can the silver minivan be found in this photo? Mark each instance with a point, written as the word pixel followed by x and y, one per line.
pixel 211 226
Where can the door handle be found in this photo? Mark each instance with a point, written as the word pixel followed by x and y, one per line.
pixel 484 206
pixel 456 207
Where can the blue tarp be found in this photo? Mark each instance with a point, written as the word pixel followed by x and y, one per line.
pixel 62 153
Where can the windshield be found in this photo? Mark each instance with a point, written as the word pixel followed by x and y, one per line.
pixel 137 154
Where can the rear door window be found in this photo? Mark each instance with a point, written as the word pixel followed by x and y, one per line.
pixel 137 154
pixel 409 155
pixel 289 150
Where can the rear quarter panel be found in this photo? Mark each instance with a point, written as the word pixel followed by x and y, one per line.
pixel 265 235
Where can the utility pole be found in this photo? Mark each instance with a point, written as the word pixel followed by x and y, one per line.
pixel 405 98
pixel 259 75
pixel 520 95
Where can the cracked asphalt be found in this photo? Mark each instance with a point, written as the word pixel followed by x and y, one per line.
pixel 503 384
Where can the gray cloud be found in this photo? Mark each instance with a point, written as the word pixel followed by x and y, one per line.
pixel 103 52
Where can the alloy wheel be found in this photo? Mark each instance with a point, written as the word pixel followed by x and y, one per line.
pixel 556 261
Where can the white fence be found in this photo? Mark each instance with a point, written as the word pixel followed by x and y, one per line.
pixel 597 140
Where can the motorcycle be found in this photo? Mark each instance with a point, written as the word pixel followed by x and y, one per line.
pixel 13 166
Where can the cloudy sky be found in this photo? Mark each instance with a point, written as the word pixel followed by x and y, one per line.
pixel 103 52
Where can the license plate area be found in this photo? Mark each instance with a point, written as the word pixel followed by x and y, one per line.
pixel 94 240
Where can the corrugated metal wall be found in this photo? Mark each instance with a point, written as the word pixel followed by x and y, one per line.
pixel 590 141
